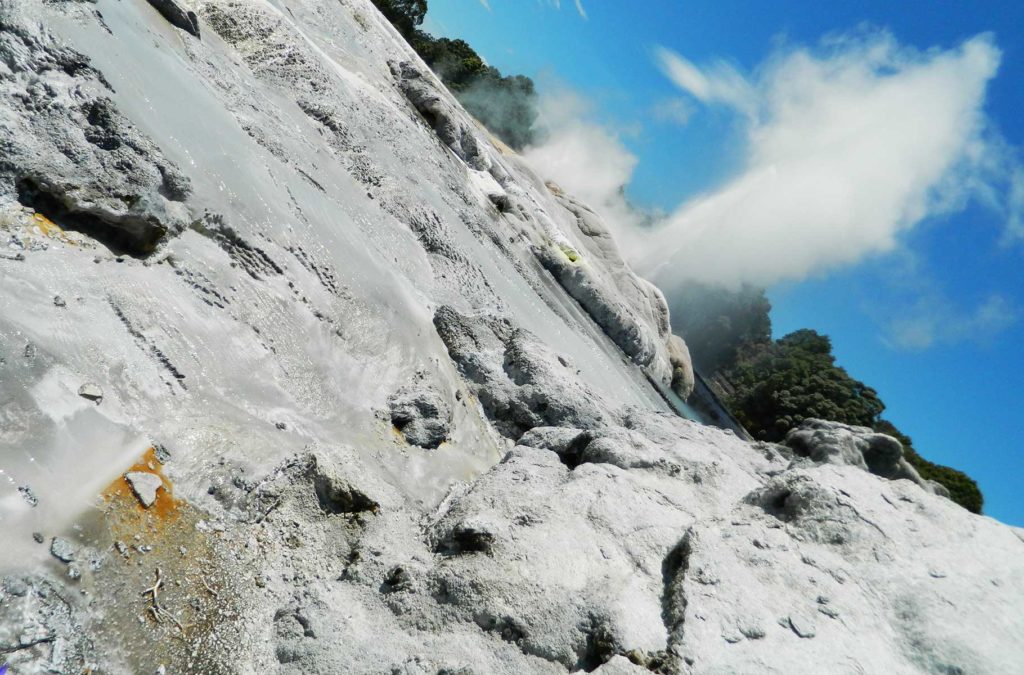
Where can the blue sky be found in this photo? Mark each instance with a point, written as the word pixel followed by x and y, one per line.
pixel 920 286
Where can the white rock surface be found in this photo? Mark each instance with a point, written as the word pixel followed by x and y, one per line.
pixel 144 485
pixel 413 402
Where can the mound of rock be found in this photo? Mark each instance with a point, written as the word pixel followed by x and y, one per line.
pixel 838 443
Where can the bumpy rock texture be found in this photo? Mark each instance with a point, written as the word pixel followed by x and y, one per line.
pixel 408 408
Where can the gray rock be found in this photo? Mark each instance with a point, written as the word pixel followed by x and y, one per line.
pixel 144 485
pixel 15 586
pixel 91 392
pixel 163 455
pixel 421 414
pixel 177 15
pixel 62 549
pixel 862 447
pixel 518 380
pixel 422 89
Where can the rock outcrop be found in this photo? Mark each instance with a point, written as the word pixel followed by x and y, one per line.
pixel 412 405
pixel 861 447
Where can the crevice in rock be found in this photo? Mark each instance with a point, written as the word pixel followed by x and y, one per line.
pixel 673 600
pixel 572 456
pixel 507 628
pixel 599 647
pixel 337 498
pixel 131 235
pixel 465 539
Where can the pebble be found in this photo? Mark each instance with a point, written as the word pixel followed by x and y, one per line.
pixel 62 549
pixel 29 496
pixel 91 391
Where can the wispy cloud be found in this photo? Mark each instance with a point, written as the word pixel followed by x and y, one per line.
pixel 1015 209
pixel 486 4
pixel 935 321
pixel 717 83
pixel 557 4
pixel 674 110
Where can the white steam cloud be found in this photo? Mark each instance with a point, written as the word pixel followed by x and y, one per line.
pixel 847 146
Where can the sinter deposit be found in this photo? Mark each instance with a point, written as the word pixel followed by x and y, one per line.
pixel 301 373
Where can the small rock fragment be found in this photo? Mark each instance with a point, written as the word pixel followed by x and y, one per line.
pixel 801 625
pixel 62 549
pixel 59 301
pixel 91 392
pixel 15 586
pixel 144 485
pixel 163 455
pixel 29 496
pixel 37 537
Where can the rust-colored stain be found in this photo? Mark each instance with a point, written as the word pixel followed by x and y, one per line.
pixel 129 512
pixel 49 228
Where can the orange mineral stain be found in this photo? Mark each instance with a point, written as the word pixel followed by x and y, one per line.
pixel 49 228
pixel 127 514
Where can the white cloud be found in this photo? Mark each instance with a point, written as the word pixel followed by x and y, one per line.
pixel 719 83
pixel 579 8
pixel 934 321
pixel 847 147
pixel 486 4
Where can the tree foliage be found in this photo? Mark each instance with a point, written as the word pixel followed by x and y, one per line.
pixel 506 105
pixel 405 15
pixel 774 386
pixel 780 384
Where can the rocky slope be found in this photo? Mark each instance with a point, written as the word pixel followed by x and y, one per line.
pixel 300 373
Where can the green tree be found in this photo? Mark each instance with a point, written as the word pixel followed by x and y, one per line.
pixel 405 15
pixel 778 385
pixel 507 106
